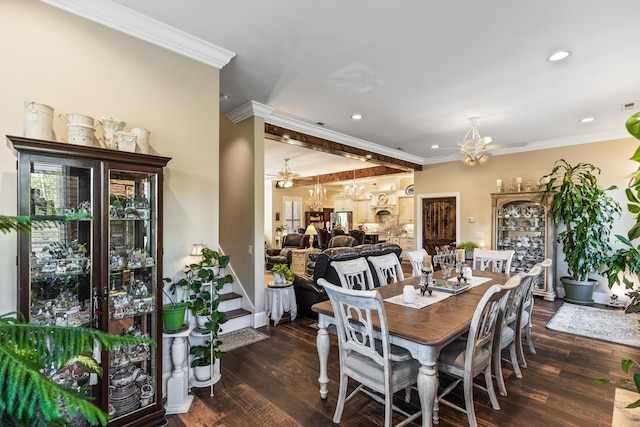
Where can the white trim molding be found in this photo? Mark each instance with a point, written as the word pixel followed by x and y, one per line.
pixel 120 18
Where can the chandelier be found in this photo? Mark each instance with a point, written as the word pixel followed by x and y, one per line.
pixel 353 190
pixel 317 195
pixel 286 176
pixel 473 147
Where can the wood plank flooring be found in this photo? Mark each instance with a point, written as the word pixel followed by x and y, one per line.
pixel 274 383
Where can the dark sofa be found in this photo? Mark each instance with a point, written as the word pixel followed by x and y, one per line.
pixel 307 290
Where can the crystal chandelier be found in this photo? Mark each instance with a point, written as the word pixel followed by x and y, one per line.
pixel 353 190
pixel 473 147
pixel 317 195
pixel 286 176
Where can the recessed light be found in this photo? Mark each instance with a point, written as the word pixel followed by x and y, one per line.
pixel 559 55
pixel 435 146
pixel 356 116
pixel 587 120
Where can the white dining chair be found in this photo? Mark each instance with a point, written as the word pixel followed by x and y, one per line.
pixel 417 259
pixel 527 311
pixel 505 336
pixel 370 364
pixel 387 267
pixel 466 358
pixel 490 260
pixel 354 273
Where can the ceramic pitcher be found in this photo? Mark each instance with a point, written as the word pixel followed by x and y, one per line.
pixel 110 127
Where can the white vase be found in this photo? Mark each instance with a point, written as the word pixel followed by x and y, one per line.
pixel 277 279
pixel 202 373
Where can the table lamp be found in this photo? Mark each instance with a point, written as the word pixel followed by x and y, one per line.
pixel 310 231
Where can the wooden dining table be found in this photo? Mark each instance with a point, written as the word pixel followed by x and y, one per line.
pixel 424 332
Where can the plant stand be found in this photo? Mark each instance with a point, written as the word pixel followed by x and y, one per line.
pixel 178 397
pixel 215 367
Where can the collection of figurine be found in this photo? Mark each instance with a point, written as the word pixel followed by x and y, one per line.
pixel 131 258
pixel 134 208
pixel 60 258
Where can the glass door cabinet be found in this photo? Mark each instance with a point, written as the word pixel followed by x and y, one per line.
pixel 521 223
pixel 102 270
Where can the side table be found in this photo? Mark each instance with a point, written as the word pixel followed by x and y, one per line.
pixel 299 259
pixel 279 299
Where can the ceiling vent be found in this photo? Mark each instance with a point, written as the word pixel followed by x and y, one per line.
pixel 629 106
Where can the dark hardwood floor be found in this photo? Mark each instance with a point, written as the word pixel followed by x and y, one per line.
pixel 274 383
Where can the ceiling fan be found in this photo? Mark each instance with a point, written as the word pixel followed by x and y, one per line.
pixel 476 149
pixel 286 176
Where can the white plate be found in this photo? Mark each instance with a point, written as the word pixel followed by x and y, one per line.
pixel 409 190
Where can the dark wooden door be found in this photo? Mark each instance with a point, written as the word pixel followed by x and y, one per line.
pixel 438 222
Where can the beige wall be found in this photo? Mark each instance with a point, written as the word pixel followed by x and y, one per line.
pixel 475 184
pixel 77 66
pixel 242 201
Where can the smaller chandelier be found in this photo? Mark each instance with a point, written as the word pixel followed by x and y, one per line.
pixel 286 176
pixel 473 147
pixel 317 195
pixel 354 190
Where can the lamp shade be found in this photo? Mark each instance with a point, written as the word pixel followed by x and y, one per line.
pixel 311 230
pixel 197 249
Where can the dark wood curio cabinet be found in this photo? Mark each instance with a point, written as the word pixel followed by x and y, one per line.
pixel 103 270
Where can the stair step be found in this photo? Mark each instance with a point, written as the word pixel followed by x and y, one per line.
pixel 232 314
pixel 229 296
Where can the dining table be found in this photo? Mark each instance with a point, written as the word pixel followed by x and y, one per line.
pixel 423 331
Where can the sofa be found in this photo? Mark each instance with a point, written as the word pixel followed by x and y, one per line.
pixel 306 287
pixel 283 256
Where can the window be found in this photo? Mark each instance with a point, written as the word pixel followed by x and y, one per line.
pixel 292 214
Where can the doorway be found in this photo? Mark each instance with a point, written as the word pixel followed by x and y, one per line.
pixel 439 223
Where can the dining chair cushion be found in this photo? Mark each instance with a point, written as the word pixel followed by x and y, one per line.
pixel 452 357
pixel 360 367
pixel 398 354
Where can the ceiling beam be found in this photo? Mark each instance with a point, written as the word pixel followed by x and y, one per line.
pixel 347 175
pixel 288 136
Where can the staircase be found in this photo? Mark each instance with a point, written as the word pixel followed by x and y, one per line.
pixel 232 303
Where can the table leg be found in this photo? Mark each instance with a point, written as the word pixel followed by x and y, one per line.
pixel 323 343
pixel 428 387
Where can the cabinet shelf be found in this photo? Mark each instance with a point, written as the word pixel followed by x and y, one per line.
pixel 520 224
pixel 55 178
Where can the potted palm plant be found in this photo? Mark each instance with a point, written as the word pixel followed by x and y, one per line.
pixel 587 214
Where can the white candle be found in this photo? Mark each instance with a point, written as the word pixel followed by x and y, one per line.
pixel 460 254
pixel 499 183
pixel 519 180
pixel 409 294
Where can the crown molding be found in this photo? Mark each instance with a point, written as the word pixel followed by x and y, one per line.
pixel 249 109
pixel 252 108
pixel 120 18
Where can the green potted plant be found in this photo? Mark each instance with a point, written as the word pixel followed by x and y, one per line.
pixel 587 214
pixel 282 272
pixel 29 396
pixel 203 357
pixel 624 263
pixel 468 248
